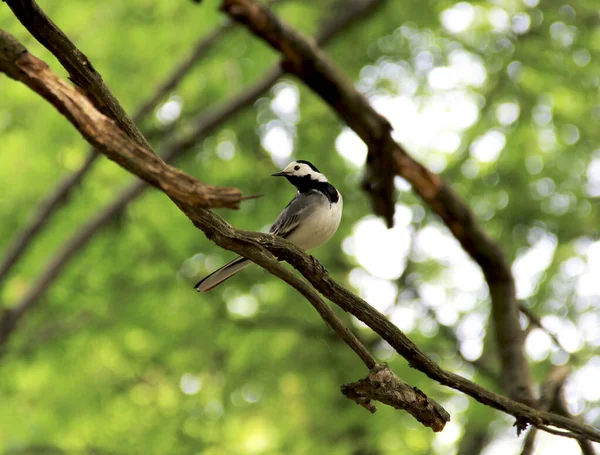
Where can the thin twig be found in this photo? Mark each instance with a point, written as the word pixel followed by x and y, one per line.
pixel 566 434
pixel 19 245
pixel 182 69
pixel 480 364
pixel 333 321
pixel 484 363
pixel 11 317
pixel 550 389
pixel 537 322
pixel 560 407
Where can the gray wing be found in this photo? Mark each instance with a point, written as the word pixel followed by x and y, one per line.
pixel 297 210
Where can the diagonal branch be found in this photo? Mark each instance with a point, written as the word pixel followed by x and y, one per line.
pixel 244 243
pixel 381 384
pixel 386 158
pixel 104 135
pixel 535 320
pixel 203 125
pixel 482 364
pixel 50 204
pixel 475 438
pixel 200 127
pixel 560 407
pixel 19 245
pixel 81 71
pixel 304 59
pixel 331 319
pixel 249 244
pixel 260 248
pixel 11 317
pixel 183 68
pixel 550 389
pixel 101 133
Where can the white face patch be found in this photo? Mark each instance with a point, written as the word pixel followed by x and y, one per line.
pixel 303 169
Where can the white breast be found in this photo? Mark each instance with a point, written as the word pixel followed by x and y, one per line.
pixel 319 227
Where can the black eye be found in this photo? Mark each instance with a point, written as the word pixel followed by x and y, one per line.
pixel 296 168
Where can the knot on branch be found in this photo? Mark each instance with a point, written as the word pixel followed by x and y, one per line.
pixel 384 386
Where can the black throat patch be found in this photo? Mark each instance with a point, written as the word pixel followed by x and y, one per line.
pixel 305 183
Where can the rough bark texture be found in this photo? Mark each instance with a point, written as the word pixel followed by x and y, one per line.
pixel 384 386
pixel 104 135
pixel 386 158
pixel 42 214
pixel 260 248
pixel 202 125
pixel 244 243
pixel 81 71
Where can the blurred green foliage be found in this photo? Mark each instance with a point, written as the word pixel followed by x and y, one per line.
pixel 122 356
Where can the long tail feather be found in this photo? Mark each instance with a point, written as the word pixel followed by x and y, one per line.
pixel 220 275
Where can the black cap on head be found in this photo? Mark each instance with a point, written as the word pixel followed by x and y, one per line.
pixel 309 164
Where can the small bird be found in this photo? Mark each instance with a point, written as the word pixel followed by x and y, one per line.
pixel 308 221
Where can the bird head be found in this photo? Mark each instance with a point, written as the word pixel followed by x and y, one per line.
pixel 301 169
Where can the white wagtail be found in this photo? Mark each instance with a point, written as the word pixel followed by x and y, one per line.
pixel 308 221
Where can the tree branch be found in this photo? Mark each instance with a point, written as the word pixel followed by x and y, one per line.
pixel 330 318
pixel 304 59
pixel 19 245
pixel 534 320
pixel 253 245
pixel 49 205
pixel 386 159
pixel 482 364
pixel 474 440
pixel 81 71
pixel 560 407
pixel 200 49
pixel 104 135
pixel 381 384
pixel 551 387
pixel 203 125
pixel 384 386
pixel 260 248
pixel 100 132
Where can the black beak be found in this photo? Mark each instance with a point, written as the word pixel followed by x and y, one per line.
pixel 279 174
